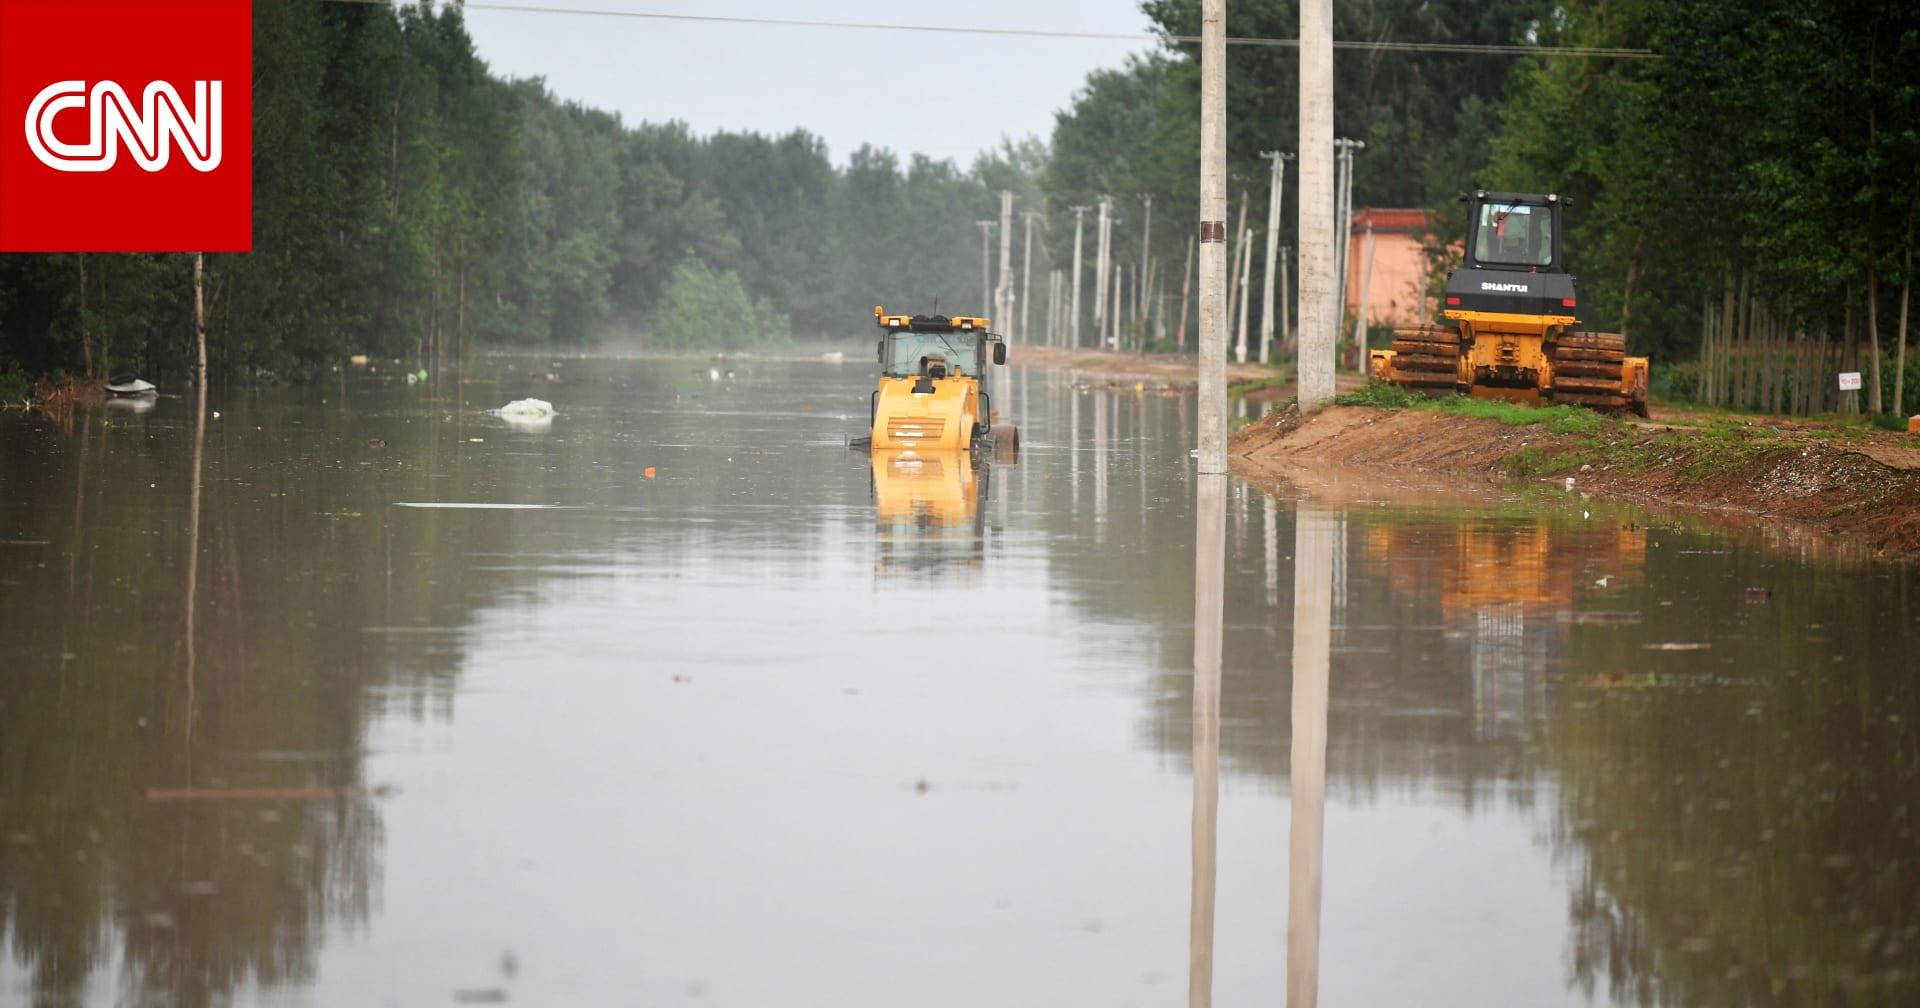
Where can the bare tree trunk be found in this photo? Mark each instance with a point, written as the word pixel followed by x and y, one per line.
pixel 1728 306
pixel 1873 343
pixel 1709 340
pixel 1849 359
pixel 193 493
pixel 1900 356
pixel 86 331
pixel 1626 298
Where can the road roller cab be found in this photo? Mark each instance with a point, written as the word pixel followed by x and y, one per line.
pixel 929 394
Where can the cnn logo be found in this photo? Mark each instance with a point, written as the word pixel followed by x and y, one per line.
pixel 149 131
pixel 126 126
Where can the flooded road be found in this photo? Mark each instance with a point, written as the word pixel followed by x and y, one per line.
pixel 674 700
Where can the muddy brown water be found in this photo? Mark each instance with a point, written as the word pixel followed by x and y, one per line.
pixel 771 729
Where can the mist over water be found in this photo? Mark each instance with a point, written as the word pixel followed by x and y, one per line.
pixel 783 725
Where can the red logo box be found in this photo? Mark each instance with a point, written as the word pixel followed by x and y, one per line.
pixel 126 125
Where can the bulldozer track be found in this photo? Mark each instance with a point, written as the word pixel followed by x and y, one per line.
pixel 1425 362
pixel 1585 386
pixel 1583 354
pixel 1588 369
pixel 1593 341
pixel 1613 401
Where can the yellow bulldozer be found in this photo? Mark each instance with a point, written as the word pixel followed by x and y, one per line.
pixel 1511 328
pixel 930 395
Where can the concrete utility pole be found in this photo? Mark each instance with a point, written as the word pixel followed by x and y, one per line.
pixel 1003 291
pixel 1286 331
pixel 1246 270
pixel 1146 257
pixel 1317 315
pixel 1360 302
pixel 1236 287
pixel 1073 324
pixel 986 285
pixel 1100 276
pixel 1343 225
pixel 1277 190
pixel 1003 303
pixel 1213 265
pixel 1186 298
pixel 1053 308
pixel 1026 275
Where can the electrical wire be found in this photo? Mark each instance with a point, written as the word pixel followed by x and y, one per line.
pixel 1461 48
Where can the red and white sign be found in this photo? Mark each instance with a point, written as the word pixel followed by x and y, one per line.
pixel 1849 381
pixel 126 125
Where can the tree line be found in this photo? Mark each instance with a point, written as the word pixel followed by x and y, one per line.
pixel 410 204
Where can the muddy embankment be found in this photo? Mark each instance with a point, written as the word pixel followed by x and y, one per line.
pixel 1865 488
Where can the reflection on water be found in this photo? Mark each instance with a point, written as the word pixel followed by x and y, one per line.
pixel 926 507
pixel 1209 582
pixel 1316 540
pixel 342 751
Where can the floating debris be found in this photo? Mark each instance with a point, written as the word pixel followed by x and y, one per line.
pixel 525 409
pixel 1677 646
pixel 482 506
pixel 131 385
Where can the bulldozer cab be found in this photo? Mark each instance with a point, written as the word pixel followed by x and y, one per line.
pixel 1514 231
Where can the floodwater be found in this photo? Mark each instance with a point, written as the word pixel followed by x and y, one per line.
pixel 404 705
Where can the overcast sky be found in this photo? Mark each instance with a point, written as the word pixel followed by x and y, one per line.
pixel 942 94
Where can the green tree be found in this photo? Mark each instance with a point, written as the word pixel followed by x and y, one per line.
pixel 707 309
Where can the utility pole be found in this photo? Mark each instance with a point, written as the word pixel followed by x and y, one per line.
pixel 1277 191
pixel 1053 307
pixel 1026 274
pixel 1073 324
pixel 1317 318
pixel 1236 290
pixel 1246 270
pixel 986 287
pixel 1360 302
pixel 1286 331
pixel 1146 257
pixel 1103 276
pixel 1003 305
pixel 1186 298
pixel 1343 225
pixel 1213 234
pixel 1003 291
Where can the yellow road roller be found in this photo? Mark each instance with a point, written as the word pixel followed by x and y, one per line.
pixel 930 392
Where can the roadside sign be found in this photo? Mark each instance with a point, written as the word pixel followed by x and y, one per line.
pixel 1849 381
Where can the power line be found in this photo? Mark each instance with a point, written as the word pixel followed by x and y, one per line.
pixel 1461 48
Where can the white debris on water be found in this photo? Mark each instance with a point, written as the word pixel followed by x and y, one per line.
pixel 483 506
pixel 525 409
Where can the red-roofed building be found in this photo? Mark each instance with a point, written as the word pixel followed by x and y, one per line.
pixel 1396 284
